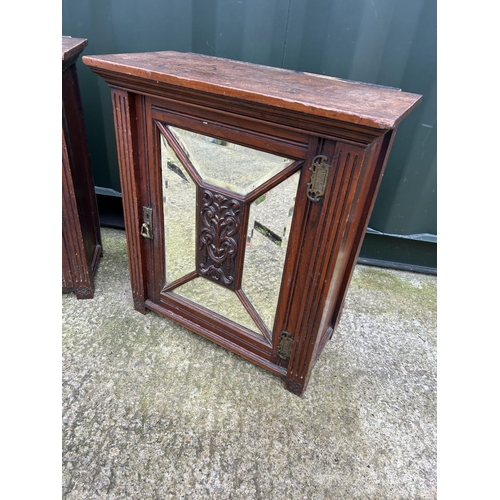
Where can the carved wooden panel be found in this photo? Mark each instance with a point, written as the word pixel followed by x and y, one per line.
pixel 219 236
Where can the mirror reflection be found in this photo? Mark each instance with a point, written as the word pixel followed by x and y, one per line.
pixel 266 244
pixel 227 165
pixel 179 214
pixel 217 299
pixel 240 169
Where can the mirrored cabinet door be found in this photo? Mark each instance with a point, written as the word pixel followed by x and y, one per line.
pixel 227 214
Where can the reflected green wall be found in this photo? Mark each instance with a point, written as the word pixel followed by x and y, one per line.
pixel 387 42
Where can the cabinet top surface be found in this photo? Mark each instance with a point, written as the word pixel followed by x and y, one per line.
pixel 354 102
pixel 71 47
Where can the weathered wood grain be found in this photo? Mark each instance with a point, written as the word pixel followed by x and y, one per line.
pixel 71 49
pixel 348 101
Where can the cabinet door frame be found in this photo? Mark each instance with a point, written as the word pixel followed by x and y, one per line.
pixel 156 114
pixel 314 265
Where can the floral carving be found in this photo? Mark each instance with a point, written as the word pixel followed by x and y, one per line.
pixel 216 273
pixel 220 221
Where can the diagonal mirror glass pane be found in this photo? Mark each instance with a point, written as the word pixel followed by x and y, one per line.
pixel 227 165
pixel 267 241
pixel 218 299
pixel 179 214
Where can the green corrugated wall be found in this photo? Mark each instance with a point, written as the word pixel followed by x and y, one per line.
pixel 387 42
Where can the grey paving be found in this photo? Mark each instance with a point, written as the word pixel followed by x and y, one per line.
pixel 153 411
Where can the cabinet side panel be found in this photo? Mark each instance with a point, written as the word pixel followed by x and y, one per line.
pixel 328 222
pixel 125 128
pixel 358 222
pixel 74 256
pixel 67 277
pixel 359 216
pixel 79 162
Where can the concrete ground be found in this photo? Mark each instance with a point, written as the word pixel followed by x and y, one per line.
pixel 153 411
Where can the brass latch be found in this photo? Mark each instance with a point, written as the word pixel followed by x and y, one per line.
pixel 320 170
pixel 147 225
pixel 285 345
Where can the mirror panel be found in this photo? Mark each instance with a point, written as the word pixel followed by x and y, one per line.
pixel 230 166
pixel 217 299
pixel 266 244
pixel 179 214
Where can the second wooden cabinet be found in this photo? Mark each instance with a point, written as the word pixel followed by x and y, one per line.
pixel 81 232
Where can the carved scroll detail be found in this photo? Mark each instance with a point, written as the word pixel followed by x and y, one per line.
pixel 220 222
pixel 216 273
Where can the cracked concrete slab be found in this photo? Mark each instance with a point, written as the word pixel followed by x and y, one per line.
pixel 154 411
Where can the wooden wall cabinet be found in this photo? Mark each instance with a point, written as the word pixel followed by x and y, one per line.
pixel 81 234
pixel 247 191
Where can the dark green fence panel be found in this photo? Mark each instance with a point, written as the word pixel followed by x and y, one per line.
pixel 387 42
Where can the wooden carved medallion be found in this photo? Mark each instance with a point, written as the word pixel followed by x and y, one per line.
pixel 219 235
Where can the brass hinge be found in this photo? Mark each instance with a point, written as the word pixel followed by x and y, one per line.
pixel 147 225
pixel 319 177
pixel 285 345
